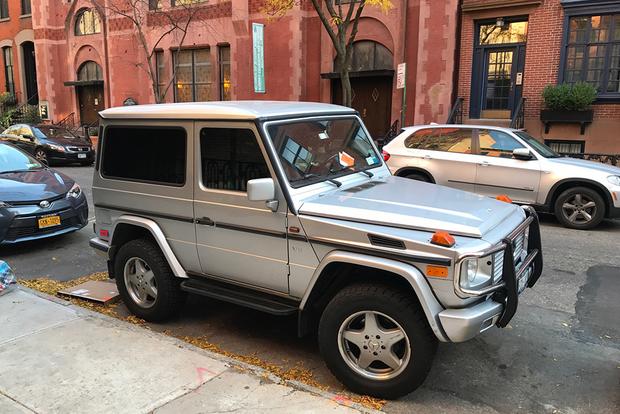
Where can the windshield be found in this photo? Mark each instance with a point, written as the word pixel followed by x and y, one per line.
pixel 51 132
pixel 13 160
pixel 322 149
pixel 540 148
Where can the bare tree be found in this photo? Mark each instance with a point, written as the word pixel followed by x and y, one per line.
pixel 169 21
pixel 340 18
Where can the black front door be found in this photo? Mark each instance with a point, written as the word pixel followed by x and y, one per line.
pixel 90 99
pixel 30 73
pixel 502 81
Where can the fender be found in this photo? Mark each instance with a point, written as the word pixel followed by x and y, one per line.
pixel 576 182
pixel 430 305
pixel 415 169
pixel 159 237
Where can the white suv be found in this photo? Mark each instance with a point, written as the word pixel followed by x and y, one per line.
pixel 492 161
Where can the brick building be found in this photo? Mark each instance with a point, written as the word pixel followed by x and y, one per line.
pixel 512 49
pixel 18 67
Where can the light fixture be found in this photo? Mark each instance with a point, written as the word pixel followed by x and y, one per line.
pixel 499 22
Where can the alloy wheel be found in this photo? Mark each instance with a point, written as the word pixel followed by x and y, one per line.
pixel 140 282
pixel 374 345
pixel 579 209
pixel 41 156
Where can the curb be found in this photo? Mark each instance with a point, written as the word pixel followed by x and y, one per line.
pixel 256 370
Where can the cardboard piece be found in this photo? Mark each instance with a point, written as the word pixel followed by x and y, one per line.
pixel 104 292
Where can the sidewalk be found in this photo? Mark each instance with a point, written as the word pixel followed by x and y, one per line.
pixel 60 358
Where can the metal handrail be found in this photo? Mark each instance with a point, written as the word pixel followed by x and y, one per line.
pixel 518 118
pixel 456 113
pixel 67 122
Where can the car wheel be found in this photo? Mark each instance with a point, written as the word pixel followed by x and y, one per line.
pixel 418 177
pixel 376 340
pixel 145 281
pixel 41 155
pixel 580 208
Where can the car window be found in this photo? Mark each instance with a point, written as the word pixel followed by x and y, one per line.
pixel 230 158
pixel 441 139
pixel 24 130
pixel 496 143
pixel 12 159
pixel 11 130
pixel 154 155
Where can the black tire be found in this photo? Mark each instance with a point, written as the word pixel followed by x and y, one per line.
pixel 169 297
pixel 418 177
pixel 402 308
pixel 41 156
pixel 580 197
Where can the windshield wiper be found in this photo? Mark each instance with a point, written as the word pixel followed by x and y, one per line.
pixel 368 173
pixel 313 175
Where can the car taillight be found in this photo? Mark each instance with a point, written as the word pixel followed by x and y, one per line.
pixel 386 155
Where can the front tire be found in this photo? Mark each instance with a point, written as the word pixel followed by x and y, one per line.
pixel 418 177
pixel 376 340
pixel 145 281
pixel 41 156
pixel 580 208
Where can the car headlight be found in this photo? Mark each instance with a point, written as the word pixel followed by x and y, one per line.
pixel 614 179
pixel 75 191
pixel 56 147
pixel 476 273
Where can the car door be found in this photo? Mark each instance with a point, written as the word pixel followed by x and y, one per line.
pixel 25 138
pixel 237 239
pixel 498 172
pixel 446 153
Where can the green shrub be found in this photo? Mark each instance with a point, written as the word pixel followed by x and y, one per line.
pixel 565 97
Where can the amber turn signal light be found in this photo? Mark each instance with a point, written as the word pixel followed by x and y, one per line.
pixel 436 271
pixel 443 238
pixel 504 198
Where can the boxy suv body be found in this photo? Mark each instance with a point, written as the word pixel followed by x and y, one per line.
pixel 492 160
pixel 288 208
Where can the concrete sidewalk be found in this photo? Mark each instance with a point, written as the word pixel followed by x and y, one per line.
pixel 60 358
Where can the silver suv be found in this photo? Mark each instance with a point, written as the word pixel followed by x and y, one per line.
pixel 288 208
pixel 493 161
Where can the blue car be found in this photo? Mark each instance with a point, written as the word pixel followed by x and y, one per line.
pixel 35 200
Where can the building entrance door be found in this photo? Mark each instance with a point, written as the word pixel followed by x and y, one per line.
pixel 30 73
pixel 90 99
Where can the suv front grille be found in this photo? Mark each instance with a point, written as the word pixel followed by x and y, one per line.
pixel 14 233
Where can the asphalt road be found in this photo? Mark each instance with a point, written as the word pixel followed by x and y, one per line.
pixel 560 354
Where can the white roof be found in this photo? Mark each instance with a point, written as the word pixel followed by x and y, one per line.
pixel 471 126
pixel 234 110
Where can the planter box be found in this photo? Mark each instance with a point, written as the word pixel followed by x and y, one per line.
pixel 548 116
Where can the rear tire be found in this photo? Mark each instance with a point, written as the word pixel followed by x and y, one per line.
pixel 407 360
pixel 145 281
pixel 418 177
pixel 580 208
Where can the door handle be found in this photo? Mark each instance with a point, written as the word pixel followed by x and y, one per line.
pixel 428 157
pixel 484 164
pixel 205 221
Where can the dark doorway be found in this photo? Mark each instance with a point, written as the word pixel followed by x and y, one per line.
pixel 30 73
pixel 498 67
pixel 90 99
pixel 372 98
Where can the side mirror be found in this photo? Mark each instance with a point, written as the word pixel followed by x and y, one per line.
pixel 263 189
pixel 28 137
pixel 522 154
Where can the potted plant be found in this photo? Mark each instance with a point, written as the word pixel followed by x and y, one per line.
pixel 568 104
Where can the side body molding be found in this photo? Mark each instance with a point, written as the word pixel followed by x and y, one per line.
pixel 418 282
pixel 159 237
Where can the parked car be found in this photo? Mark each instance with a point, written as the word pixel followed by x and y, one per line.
pixel 491 161
pixel 36 201
pixel 50 144
pixel 288 208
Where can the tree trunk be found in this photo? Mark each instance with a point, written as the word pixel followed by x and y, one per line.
pixel 345 81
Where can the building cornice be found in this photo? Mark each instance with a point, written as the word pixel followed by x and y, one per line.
pixel 476 5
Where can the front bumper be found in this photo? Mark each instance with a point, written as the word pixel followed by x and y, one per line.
pixel 71 156
pixel 499 307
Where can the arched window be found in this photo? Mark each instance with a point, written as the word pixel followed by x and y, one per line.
pixel 89 71
pixel 87 22
pixel 369 55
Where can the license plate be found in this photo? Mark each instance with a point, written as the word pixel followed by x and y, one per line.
pixel 81 155
pixel 49 221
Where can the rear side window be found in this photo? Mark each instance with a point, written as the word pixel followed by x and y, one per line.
pixel 441 139
pixel 230 157
pixel 152 155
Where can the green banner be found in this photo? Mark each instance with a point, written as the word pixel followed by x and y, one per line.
pixel 258 47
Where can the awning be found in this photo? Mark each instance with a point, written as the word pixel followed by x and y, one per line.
pixel 83 83
pixel 360 74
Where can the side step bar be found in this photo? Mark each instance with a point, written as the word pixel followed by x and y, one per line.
pixel 249 298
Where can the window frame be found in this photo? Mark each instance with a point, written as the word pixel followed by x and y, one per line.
pixel 4 10
pixel 80 14
pixel 160 63
pixel 102 148
pixel 220 65
pixel 583 9
pixel 193 83
pixel 26 7
pixel 581 143
pixel 8 69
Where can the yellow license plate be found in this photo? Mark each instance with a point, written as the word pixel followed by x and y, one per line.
pixel 49 221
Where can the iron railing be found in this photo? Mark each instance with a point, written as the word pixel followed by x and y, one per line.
pixel 518 118
pixel 456 113
pixel 68 122
pixel 390 135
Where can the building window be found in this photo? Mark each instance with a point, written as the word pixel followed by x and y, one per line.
pixel 155 4
pixel 4 9
pixel 566 147
pixel 186 2
pixel 193 75
pixel 592 52
pixel 89 71
pixel 26 9
pixel 7 54
pixel 160 73
pixel 224 62
pixel 508 32
pixel 87 22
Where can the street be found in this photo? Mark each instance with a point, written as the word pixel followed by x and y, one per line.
pixel 561 352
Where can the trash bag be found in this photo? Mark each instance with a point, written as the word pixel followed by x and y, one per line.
pixel 7 277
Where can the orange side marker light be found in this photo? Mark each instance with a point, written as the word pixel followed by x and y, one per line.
pixel 436 271
pixel 504 198
pixel 443 238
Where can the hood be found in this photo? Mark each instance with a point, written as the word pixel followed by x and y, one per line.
pixel 591 165
pixel 33 185
pixel 409 204
pixel 68 141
